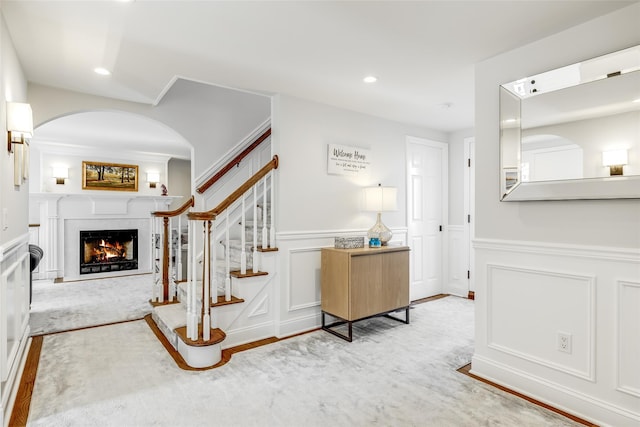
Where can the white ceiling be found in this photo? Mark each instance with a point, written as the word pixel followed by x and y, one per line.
pixel 423 52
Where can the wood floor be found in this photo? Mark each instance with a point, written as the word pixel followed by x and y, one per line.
pixel 466 369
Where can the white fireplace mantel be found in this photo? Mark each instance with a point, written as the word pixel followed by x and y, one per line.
pixel 61 216
pixel 105 203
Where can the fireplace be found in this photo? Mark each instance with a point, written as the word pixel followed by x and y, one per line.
pixel 108 250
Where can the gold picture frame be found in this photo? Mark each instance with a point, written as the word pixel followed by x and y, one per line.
pixel 109 176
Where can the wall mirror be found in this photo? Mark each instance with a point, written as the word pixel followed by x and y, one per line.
pixel 573 132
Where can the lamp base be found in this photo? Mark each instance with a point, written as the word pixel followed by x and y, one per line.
pixel 380 231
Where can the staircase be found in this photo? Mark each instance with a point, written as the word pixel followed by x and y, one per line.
pixel 225 249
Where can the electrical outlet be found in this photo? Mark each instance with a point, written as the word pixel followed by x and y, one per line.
pixel 564 342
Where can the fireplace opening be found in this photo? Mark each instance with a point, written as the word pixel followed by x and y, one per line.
pixel 108 250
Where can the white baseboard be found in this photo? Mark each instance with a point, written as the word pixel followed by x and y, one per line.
pixel 248 334
pixel 299 325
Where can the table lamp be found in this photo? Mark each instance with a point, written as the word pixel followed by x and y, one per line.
pixel 380 199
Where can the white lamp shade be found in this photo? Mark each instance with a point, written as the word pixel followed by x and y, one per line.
pixel 19 118
pixel 60 172
pixel 380 199
pixel 153 177
pixel 614 158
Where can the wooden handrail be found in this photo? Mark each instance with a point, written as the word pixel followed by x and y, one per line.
pixel 211 214
pixel 188 204
pixel 204 187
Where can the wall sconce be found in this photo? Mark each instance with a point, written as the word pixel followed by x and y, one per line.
pixel 615 159
pixel 60 173
pixel 153 178
pixel 19 123
pixel 380 199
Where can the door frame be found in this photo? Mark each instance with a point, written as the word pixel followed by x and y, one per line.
pixel 470 209
pixel 414 140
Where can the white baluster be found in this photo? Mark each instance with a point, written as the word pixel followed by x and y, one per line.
pixel 179 249
pixel 193 296
pixel 192 282
pixel 227 281
pixel 265 237
pixel 272 233
pixel 206 285
pixel 214 267
pixel 243 253
pixel 256 260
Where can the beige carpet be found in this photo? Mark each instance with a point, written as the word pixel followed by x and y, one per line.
pixel 392 374
pixel 72 305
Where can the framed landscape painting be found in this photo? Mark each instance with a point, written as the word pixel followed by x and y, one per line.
pixel 109 176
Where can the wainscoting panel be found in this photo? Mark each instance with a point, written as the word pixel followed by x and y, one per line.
pixel 529 293
pixel 14 318
pixel 304 275
pixel 527 308
pixel 628 337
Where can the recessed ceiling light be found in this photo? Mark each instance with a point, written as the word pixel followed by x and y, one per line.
pixel 636 100
pixel 370 79
pixel 102 71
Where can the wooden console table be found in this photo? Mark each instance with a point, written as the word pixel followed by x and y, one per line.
pixel 361 283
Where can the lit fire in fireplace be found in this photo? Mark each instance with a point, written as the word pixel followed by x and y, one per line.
pixel 108 250
pixel 104 252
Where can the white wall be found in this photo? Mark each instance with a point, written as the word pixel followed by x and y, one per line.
pixel 210 118
pixel 179 181
pixel 312 199
pixel 14 237
pixel 562 266
pixel 47 157
pixel 313 206
pixel 14 88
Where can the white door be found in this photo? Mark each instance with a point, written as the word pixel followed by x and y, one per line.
pixel 426 211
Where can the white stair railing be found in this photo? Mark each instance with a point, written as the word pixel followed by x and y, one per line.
pixel 210 217
pixel 166 253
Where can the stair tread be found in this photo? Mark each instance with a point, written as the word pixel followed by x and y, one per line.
pixel 217 336
pixel 172 315
pixel 221 301
pixel 249 273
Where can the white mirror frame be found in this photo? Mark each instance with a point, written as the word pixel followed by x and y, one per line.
pixel 612 187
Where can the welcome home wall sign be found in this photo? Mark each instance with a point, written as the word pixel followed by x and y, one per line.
pixel 345 160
